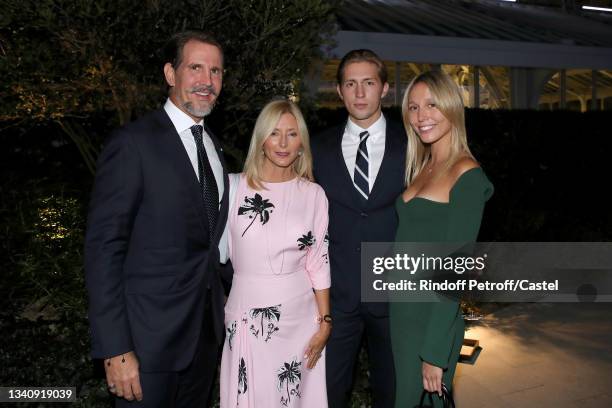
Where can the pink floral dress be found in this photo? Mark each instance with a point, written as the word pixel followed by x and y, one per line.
pixel 278 247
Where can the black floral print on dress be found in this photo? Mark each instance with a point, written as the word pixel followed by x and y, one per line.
pixel 271 315
pixel 306 241
pixel 231 332
pixel 288 377
pixel 325 256
pixel 255 207
pixel 242 377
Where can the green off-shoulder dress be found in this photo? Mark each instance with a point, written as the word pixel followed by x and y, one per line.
pixel 433 332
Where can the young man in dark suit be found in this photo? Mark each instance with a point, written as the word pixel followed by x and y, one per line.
pixel 360 164
pixel 158 208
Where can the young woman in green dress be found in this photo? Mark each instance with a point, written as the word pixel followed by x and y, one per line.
pixel 445 194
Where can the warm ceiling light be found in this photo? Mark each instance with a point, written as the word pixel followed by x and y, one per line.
pixel 597 8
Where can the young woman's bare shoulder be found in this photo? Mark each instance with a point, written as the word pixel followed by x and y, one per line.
pixel 462 165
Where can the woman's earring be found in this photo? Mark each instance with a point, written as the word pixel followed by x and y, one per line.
pixel 299 153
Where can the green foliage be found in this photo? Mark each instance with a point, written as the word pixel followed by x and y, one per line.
pixel 55 247
pixel 361 396
pixel 43 243
pixel 50 353
pixel 68 62
pixel 43 301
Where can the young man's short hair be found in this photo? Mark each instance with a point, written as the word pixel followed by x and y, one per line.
pixel 362 55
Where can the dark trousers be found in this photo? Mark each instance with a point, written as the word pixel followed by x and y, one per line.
pixel 342 352
pixel 189 388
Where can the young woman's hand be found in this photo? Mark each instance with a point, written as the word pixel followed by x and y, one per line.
pixel 432 378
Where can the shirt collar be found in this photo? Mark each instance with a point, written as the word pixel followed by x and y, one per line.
pixel 180 119
pixel 377 128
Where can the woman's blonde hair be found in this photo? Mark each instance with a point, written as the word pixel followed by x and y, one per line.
pixel 449 101
pixel 264 126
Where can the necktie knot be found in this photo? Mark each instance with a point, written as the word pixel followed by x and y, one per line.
pixel 197 131
pixel 363 136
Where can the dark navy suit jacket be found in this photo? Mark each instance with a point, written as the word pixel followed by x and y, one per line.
pixel 352 220
pixel 150 259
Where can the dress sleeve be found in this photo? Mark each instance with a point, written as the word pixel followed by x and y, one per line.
pixel 317 258
pixel 234 179
pixel 467 200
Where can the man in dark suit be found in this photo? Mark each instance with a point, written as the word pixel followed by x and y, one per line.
pixel 360 165
pixel 158 208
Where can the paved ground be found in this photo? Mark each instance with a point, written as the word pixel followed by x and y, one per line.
pixel 540 355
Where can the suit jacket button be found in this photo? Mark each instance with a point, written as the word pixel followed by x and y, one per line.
pixel 363 215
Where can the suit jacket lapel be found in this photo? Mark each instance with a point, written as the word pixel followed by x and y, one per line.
pixel 393 160
pixel 180 159
pixel 389 151
pixel 346 179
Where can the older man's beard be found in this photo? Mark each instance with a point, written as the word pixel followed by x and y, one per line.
pixel 202 112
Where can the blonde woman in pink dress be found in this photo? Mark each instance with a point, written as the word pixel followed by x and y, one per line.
pixel 277 314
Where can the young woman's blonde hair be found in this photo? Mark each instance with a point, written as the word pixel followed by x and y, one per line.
pixel 264 126
pixel 449 101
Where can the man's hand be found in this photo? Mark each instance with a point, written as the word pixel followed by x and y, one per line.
pixel 122 376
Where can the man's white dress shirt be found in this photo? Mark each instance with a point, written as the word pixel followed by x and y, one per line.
pixel 375 145
pixel 183 123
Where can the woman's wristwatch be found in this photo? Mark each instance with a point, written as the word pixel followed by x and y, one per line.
pixel 324 319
